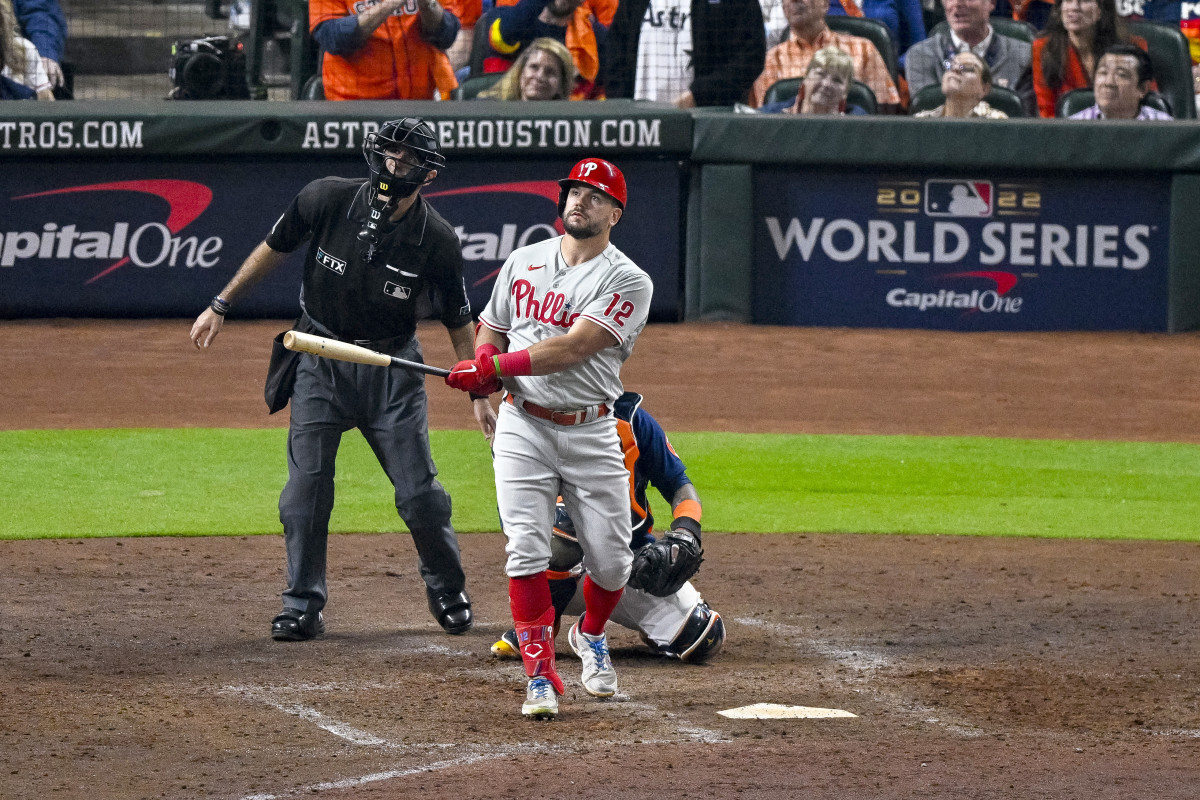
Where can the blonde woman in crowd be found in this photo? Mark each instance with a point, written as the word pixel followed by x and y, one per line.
pixel 543 71
pixel 826 83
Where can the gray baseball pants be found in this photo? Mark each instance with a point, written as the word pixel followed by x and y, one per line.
pixel 388 405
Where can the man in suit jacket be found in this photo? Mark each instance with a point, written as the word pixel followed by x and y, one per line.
pixel 1009 59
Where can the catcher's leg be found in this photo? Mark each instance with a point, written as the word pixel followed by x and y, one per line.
pixel 681 625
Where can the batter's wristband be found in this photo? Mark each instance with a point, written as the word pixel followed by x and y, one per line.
pixel 475 397
pixel 688 508
pixel 511 364
pixel 219 305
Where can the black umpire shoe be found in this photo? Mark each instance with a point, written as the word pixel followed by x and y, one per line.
pixel 293 625
pixel 452 611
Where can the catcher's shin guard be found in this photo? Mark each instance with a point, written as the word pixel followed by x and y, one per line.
pixel 701 636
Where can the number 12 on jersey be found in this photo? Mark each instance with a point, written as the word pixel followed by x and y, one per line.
pixel 623 314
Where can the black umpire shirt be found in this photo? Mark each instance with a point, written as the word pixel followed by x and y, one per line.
pixel 357 300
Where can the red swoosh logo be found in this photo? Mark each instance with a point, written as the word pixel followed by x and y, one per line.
pixel 1005 281
pixel 186 200
pixel 547 189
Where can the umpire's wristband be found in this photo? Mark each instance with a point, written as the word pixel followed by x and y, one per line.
pixel 219 306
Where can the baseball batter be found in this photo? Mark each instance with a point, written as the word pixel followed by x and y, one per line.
pixel 563 317
pixel 659 602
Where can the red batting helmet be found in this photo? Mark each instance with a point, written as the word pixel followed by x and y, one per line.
pixel 597 173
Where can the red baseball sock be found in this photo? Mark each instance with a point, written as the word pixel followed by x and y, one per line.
pixel 598 603
pixel 533 620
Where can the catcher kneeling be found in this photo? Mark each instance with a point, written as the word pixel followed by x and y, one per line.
pixel 659 602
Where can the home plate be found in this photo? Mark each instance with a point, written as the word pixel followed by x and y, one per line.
pixel 776 711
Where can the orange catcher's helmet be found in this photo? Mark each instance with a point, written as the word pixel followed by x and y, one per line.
pixel 597 173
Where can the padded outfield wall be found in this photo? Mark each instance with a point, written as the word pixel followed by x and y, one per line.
pixel 945 224
pixel 146 209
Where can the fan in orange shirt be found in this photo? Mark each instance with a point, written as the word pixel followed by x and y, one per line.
pixel 384 49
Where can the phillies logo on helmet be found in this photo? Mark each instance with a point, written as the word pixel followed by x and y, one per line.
pixel 607 178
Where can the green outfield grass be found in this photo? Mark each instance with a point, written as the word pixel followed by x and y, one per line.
pixel 131 482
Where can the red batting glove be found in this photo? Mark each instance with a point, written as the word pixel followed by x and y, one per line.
pixel 478 376
pixel 484 353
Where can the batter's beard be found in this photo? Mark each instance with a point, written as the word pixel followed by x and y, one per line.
pixel 577 231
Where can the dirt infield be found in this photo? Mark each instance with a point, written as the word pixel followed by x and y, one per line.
pixel 977 668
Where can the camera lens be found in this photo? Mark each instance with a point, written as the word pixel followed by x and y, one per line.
pixel 203 76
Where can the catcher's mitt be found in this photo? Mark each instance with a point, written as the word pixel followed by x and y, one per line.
pixel 663 567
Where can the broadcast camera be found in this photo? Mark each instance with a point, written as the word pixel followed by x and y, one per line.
pixel 212 68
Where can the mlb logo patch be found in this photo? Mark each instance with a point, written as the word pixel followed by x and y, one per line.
pixel 947 198
pixel 396 290
pixel 331 262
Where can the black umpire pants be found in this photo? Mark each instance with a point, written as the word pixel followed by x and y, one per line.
pixel 389 406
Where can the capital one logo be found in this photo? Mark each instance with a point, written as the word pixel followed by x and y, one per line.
pixel 149 245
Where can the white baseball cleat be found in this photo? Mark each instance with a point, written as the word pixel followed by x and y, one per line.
pixel 541 701
pixel 599 678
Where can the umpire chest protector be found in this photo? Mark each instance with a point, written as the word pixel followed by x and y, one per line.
pixel 383 298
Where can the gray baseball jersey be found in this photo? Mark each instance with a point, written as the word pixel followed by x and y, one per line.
pixel 537 296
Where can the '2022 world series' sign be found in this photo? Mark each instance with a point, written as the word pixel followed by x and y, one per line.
pixel 960 253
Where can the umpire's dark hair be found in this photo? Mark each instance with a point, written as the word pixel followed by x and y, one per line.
pixel 1145 71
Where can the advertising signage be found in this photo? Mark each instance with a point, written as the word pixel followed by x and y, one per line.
pixel 971 252
pixel 149 238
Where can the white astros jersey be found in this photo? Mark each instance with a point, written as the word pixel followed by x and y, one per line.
pixel 537 296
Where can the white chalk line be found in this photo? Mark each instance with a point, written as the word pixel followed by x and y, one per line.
pixel 858 659
pixel 310 714
pixel 268 696
pixel 867 664
pixel 375 777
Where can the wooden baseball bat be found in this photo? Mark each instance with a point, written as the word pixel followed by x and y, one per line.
pixel 344 351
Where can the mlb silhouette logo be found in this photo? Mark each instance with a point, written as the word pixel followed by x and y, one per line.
pixel 958 198
pixel 397 291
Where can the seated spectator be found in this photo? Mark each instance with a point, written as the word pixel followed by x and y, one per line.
pixel 1122 82
pixel 826 84
pixel 579 24
pixel 687 52
pixel 808 33
pixel 386 51
pixel 22 76
pixel 1008 59
pixel 965 83
pixel 1065 55
pixel 543 71
pixel 904 18
pixel 42 22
